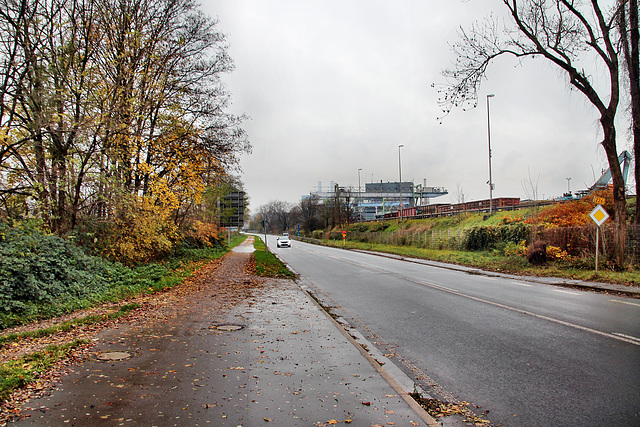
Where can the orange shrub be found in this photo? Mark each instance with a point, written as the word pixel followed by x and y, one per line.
pixel 205 233
pixel 555 253
pixel 572 213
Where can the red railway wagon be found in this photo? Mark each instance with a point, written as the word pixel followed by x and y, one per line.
pixel 447 209
pixel 507 202
pixel 408 212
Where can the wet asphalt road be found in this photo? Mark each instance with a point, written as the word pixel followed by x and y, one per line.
pixel 531 354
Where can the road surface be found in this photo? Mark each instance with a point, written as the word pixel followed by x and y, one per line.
pixel 529 353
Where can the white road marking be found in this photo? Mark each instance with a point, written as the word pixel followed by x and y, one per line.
pixel 636 340
pixel 615 336
pixel 528 285
pixel 566 292
pixel 528 313
pixel 625 302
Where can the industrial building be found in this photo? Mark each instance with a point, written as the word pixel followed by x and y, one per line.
pixel 378 198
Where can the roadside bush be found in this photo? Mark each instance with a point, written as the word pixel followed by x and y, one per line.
pixel 141 232
pixel 379 226
pixel 572 213
pixel 360 227
pixel 317 234
pixel 537 254
pixel 515 249
pixel 489 237
pixel 203 235
pixel 556 254
pixel 586 262
pixel 335 235
pixel 40 268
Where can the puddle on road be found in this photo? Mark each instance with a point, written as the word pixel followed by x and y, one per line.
pixel 227 328
pixel 111 356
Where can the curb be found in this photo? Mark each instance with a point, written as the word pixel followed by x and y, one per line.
pixel 398 380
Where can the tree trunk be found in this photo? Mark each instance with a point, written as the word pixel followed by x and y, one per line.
pixel 619 197
pixel 41 178
pixel 632 56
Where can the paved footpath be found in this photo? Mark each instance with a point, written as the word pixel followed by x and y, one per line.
pixel 274 358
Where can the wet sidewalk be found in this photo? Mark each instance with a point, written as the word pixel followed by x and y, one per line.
pixel 275 358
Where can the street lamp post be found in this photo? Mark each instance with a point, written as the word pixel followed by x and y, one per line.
pixel 400 173
pixel 568 185
pixel 359 199
pixel 489 140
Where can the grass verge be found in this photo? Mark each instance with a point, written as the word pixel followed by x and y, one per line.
pixel 150 278
pixel 16 374
pixel 123 283
pixel 495 261
pixel 67 325
pixel 267 264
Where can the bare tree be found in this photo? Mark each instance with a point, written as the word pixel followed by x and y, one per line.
pixel 562 32
pixel 530 186
pixel 630 38
pixel 459 193
pixel 276 212
pixel 309 213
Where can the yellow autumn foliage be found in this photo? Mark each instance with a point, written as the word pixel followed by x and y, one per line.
pixel 141 231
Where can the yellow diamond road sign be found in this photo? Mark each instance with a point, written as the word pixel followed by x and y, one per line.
pixel 599 215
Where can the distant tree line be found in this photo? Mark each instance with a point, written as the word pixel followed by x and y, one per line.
pixel 310 213
pixel 113 117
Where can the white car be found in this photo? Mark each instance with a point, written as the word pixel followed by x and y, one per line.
pixel 283 242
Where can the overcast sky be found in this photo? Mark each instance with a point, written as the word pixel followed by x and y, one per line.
pixel 337 85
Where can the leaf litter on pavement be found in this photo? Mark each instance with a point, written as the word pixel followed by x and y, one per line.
pixel 439 409
pixel 219 276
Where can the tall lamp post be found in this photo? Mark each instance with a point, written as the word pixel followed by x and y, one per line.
pixel 359 199
pixel 489 139
pixel 400 173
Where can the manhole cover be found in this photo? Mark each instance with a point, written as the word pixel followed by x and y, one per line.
pixel 114 355
pixel 227 328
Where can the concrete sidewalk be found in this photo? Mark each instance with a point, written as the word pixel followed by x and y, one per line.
pixel 274 359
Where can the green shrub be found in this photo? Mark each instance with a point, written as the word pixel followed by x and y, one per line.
pixel 360 227
pixel 490 237
pixel 40 268
pixel 379 226
pixel 43 276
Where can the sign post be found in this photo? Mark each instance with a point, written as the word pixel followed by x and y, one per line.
pixel 344 238
pixel 599 215
pixel 264 225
